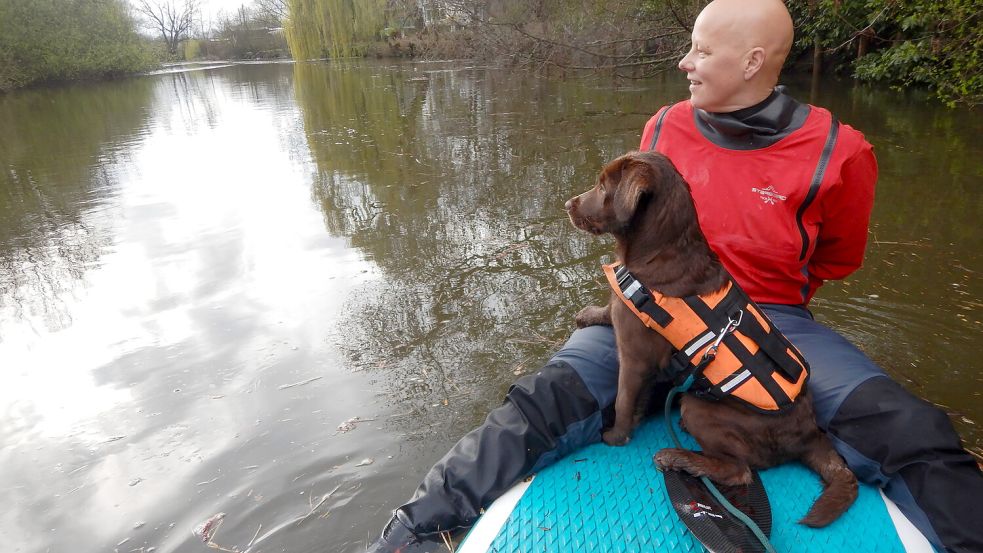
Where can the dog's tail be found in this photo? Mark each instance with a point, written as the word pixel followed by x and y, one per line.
pixel 839 484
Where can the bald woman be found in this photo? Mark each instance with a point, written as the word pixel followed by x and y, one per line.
pixel 738 51
pixel 784 193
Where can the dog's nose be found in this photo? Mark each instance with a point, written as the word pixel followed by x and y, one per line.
pixel 569 205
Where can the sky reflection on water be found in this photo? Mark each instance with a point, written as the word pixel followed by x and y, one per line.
pixel 132 369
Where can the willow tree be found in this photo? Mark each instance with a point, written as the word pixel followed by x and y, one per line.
pixel 336 28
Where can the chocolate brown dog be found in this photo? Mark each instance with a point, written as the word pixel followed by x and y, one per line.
pixel 643 202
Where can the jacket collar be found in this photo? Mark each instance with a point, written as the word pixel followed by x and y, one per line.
pixel 754 127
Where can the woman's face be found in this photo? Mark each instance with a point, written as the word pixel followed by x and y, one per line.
pixel 715 66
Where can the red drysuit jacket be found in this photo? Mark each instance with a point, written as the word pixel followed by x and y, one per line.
pixel 778 234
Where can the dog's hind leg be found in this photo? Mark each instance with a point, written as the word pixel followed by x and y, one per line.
pixel 722 471
pixel 839 483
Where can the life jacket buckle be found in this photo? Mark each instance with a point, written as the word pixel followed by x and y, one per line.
pixel 729 328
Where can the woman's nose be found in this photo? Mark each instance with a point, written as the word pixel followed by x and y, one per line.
pixel 684 64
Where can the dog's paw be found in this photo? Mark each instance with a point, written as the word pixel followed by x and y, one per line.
pixel 592 315
pixel 615 437
pixel 669 459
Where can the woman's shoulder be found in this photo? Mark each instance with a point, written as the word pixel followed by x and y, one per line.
pixel 848 138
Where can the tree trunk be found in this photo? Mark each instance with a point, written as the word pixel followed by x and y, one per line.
pixel 817 59
pixel 862 45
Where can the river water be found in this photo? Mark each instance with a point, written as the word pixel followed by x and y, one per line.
pixel 205 274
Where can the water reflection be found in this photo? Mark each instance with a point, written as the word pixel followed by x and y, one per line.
pixel 163 392
pixel 57 214
pixel 452 181
pixel 204 273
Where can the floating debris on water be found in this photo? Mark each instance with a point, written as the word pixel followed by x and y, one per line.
pixel 351 423
pixel 365 462
pixel 348 425
pixel 301 383
pixel 206 530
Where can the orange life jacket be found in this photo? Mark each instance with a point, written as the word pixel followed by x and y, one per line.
pixel 723 340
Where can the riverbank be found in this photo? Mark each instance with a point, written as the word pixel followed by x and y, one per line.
pixel 187 66
pixel 932 44
pixel 45 42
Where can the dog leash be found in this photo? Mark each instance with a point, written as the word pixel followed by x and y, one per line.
pixel 708 356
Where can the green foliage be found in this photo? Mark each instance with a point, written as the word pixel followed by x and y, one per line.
pixel 336 28
pixel 935 43
pixel 53 40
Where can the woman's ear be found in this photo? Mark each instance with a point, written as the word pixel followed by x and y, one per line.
pixel 753 62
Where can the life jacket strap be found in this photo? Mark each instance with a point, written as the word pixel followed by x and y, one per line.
pixel 788 361
pixel 685 374
pixel 639 296
pixel 728 319
pixel 772 354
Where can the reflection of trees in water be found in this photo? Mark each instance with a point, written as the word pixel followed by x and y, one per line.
pixel 453 183
pixel 930 177
pixel 58 146
pixel 191 96
pixel 926 217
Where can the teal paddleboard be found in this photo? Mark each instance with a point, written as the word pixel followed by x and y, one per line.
pixel 604 498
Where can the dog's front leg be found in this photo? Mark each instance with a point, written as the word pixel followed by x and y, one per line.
pixel 593 315
pixel 727 472
pixel 630 383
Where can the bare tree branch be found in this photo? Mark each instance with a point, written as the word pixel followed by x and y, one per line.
pixel 275 10
pixel 172 19
pixel 603 35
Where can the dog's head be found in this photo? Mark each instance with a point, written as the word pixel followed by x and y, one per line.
pixel 624 189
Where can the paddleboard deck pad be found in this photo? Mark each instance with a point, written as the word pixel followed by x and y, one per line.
pixel 604 498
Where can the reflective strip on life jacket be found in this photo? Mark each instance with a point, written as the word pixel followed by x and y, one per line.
pixel 754 362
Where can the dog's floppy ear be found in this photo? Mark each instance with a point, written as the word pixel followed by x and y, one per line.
pixel 634 182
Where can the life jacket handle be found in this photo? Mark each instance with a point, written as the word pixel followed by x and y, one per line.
pixel 729 328
pixel 711 352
